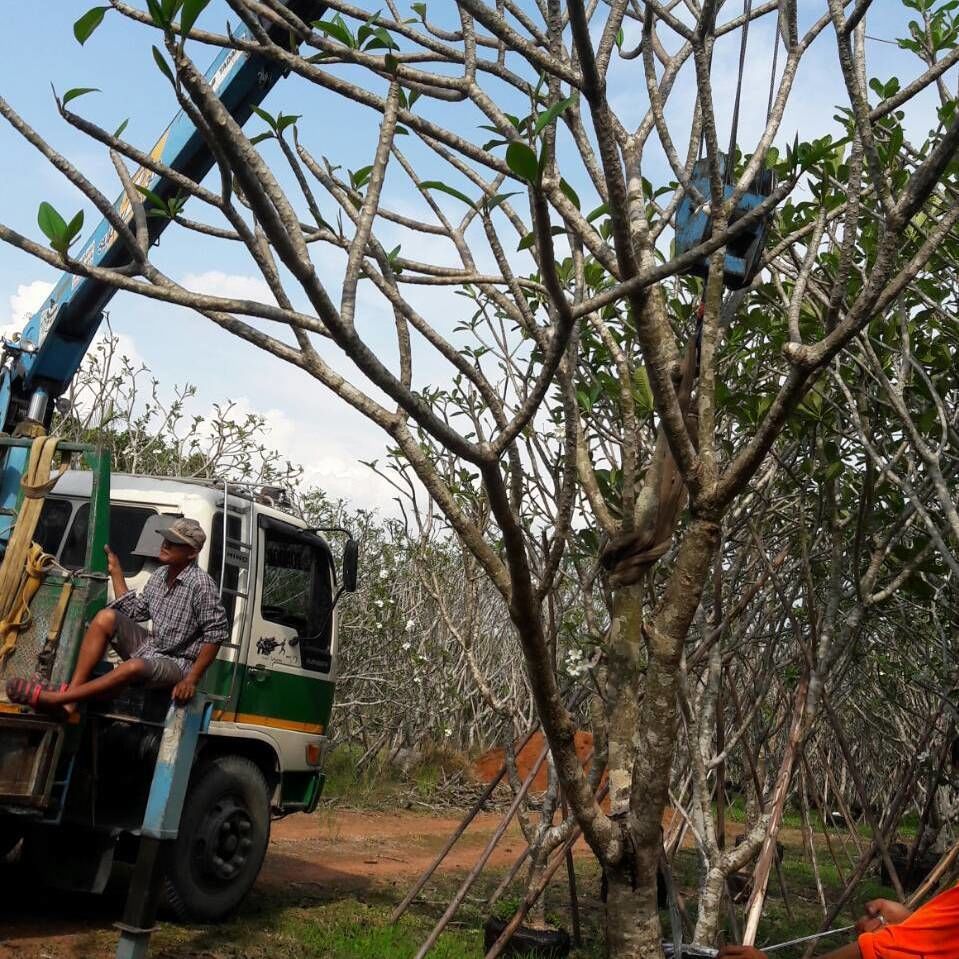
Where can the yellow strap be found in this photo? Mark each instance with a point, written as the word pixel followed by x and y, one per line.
pixel 25 564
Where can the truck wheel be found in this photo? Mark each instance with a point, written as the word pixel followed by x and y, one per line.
pixel 224 832
pixel 10 835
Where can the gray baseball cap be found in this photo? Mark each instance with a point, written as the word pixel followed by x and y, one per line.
pixel 186 531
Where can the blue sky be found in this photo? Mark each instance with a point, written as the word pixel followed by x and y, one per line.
pixel 37 49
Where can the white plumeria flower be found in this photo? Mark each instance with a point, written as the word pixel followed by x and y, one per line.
pixel 384 573
pixel 448 732
pixel 406 646
pixel 378 603
pixel 410 625
pixel 379 625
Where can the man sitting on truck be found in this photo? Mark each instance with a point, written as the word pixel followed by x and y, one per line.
pixel 189 624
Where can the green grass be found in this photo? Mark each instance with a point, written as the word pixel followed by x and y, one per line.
pixel 307 921
pixel 792 819
pixel 337 928
pixel 319 923
pixel 381 785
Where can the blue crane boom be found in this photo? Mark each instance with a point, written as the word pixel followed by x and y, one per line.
pixel 56 338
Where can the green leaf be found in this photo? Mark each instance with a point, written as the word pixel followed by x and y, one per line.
pixel 283 122
pixel 78 92
pixel 337 29
pixel 642 391
pixel 360 177
pixel 53 225
pixel 451 191
pixel 260 137
pixel 545 119
pixel 569 192
pixel 85 26
pixel 833 470
pixel 266 117
pixel 156 14
pixel 495 201
pixel 420 9
pixel 382 41
pixel 119 130
pixel 601 210
pixel 529 240
pixel 154 198
pixel 74 226
pixel 521 159
pixel 191 10
pixel 164 66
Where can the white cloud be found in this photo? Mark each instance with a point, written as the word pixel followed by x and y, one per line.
pixel 328 462
pixel 27 299
pixel 233 285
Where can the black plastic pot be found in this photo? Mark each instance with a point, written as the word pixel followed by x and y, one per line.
pixel 540 943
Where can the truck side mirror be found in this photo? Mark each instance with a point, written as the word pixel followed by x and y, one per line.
pixel 351 557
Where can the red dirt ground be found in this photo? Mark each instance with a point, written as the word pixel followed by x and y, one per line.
pixel 332 852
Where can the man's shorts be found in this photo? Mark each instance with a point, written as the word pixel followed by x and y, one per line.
pixel 132 641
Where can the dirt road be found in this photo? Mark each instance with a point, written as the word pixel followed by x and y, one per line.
pixel 333 851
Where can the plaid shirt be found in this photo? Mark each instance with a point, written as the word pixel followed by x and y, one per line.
pixel 186 616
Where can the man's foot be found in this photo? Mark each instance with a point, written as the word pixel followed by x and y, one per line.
pixel 37 695
pixel 25 692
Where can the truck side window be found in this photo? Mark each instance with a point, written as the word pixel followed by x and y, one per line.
pixel 53 524
pixel 287 579
pixel 296 593
pixel 126 524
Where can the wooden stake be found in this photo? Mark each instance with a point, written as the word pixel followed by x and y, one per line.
pixel 457 833
pixel 484 857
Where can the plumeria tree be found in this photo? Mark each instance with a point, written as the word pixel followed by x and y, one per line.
pixel 554 219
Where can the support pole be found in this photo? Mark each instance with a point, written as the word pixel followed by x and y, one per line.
pixel 161 822
pixel 484 857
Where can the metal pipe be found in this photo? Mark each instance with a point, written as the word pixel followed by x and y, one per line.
pixel 37 410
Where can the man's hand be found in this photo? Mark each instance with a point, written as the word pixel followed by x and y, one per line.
pixel 184 691
pixel 113 561
pixel 881 912
pixel 740 952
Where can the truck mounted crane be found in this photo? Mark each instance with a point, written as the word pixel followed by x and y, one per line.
pixel 183 795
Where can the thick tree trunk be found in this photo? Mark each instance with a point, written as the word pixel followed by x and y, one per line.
pixel 710 907
pixel 633 928
pixel 632 919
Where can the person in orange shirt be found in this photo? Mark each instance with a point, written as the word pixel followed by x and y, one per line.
pixel 890 930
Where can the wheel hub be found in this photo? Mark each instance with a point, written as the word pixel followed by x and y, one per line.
pixel 224 840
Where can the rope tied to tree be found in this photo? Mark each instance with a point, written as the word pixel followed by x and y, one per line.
pixel 627 556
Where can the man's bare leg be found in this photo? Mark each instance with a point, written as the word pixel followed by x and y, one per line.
pixel 94 645
pixel 127 673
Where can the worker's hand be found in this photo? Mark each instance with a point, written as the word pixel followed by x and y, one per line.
pixel 113 561
pixel 740 952
pixel 184 691
pixel 881 912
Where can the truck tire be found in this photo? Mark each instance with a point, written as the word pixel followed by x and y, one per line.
pixel 10 835
pixel 224 832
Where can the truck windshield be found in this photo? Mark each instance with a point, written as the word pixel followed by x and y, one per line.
pixel 296 592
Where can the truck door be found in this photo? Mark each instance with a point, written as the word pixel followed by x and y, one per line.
pixel 287 682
